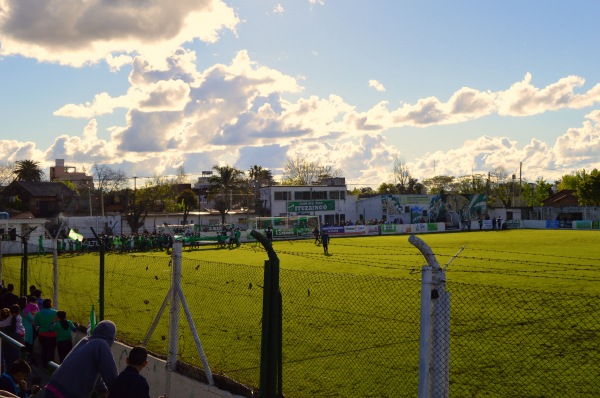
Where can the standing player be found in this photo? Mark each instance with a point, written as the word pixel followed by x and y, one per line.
pixel 317 235
pixel 325 242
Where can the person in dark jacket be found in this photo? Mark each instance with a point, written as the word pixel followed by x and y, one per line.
pixel 89 366
pixel 15 380
pixel 130 383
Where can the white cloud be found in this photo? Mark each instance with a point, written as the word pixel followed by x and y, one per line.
pixel 278 9
pixel 577 148
pixel 376 85
pixel 179 115
pixel 79 32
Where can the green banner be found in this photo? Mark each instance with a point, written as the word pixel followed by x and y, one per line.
pixel 311 205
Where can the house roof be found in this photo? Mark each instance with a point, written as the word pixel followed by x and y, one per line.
pixel 565 197
pixel 45 188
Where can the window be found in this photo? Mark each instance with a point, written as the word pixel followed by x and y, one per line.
pixel 337 195
pixel 302 195
pixel 282 196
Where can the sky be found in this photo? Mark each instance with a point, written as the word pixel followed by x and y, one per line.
pixel 154 87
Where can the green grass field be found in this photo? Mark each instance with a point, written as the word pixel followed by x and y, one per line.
pixel 525 310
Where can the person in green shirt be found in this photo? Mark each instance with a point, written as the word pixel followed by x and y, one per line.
pixel 44 320
pixel 64 337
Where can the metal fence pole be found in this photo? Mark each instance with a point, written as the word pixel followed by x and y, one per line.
pixel 174 311
pixel 271 371
pixel 101 287
pixel 434 360
pixel 425 334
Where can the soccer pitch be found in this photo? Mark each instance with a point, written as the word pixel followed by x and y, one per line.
pixel 342 320
pixel 547 260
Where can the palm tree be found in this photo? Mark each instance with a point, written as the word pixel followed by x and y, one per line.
pixel 259 177
pixel 28 170
pixel 225 188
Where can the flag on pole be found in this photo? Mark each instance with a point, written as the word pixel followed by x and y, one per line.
pixel 75 236
pixel 92 322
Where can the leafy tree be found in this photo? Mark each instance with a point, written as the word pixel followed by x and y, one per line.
pixel 109 180
pixel 226 189
pixel 388 188
pixel 437 184
pixel 570 181
pixel 362 191
pixel 588 189
pixel 471 184
pixel 414 187
pixel 401 175
pixel 151 197
pixel 299 171
pixel 258 177
pixel 189 201
pixel 28 170
pixel 6 173
pixel 534 194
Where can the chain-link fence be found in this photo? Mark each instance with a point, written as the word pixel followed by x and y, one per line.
pixel 517 343
pixel 343 335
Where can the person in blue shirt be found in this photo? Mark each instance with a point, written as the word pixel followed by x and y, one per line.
pixel 15 380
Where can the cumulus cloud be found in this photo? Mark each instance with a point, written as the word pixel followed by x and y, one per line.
pixel 278 9
pixel 376 85
pixel 576 149
pixel 239 113
pixel 79 32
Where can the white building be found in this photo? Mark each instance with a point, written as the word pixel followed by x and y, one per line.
pixel 330 201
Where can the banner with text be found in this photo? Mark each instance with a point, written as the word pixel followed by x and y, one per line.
pixel 311 205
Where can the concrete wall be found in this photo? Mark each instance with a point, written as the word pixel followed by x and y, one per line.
pixel 156 374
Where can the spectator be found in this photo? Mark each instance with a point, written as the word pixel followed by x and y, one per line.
pixel 15 380
pixel 28 315
pixel 130 383
pixel 12 326
pixel 39 298
pixel 43 321
pixel 64 329
pixel 78 375
pixel 9 298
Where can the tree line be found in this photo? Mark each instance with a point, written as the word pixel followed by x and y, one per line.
pixel 231 188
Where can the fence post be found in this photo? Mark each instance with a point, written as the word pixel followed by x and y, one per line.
pixel 425 333
pixel 434 356
pixel 174 310
pixel 101 287
pixel 271 361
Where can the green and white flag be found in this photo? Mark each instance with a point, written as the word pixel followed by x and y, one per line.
pixel 92 322
pixel 75 236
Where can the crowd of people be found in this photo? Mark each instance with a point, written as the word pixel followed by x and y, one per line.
pixel 85 368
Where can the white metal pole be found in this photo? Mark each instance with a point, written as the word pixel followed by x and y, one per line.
pixel 55 269
pixel 174 312
pixel 425 334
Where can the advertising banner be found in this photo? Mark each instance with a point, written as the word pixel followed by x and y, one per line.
pixel 355 230
pixel 334 230
pixel 552 224
pixel 512 224
pixel 388 228
pixel 311 205
pixel 583 224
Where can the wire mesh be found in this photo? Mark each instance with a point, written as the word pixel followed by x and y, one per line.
pixel 343 335
pixel 522 343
